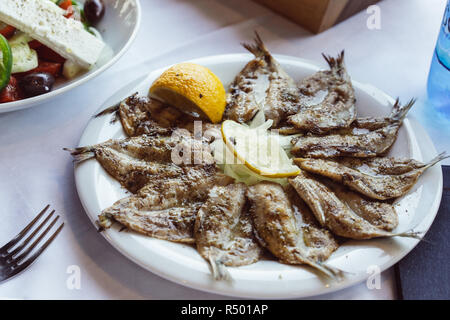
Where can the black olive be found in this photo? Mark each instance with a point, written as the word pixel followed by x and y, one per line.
pixel 94 11
pixel 34 84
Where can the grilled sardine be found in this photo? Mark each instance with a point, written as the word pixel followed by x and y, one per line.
pixel 337 108
pixel 261 85
pixel 279 228
pixel 166 209
pixel 223 230
pixel 143 115
pixel 136 213
pixel 137 160
pixel 366 137
pixel 381 165
pixel 349 216
pixel 381 214
pixel 394 181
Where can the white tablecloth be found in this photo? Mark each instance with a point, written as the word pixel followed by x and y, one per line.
pixel 35 171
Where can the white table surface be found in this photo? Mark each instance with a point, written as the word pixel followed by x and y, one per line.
pixel 34 170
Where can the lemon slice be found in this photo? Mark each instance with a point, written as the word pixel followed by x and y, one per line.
pixel 193 89
pixel 258 149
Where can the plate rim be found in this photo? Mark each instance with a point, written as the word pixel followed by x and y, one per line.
pixel 231 292
pixel 39 100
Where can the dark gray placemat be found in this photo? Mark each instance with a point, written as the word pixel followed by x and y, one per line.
pixel 425 272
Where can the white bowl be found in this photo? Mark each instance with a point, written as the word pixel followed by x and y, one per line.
pixel 266 278
pixel 118 28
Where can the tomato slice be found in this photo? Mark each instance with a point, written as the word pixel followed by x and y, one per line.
pixel 67 5
pixel 11 92
pixel 54 68
pixel 6 30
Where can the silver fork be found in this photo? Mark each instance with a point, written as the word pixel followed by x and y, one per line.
pixel 12 259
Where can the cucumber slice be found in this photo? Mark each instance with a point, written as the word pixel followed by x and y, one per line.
pixel 24 58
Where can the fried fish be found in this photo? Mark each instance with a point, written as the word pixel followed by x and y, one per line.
pixel 223 230
pixel 166 208
pixel 136 213
pixel 380 214
pixel 143 115
pixel 381 165
pixel 280 227
pixel 391 178
pixel 261 85
pixel 137 160
pixel 336 109
pixel 366 137
pixel 350 216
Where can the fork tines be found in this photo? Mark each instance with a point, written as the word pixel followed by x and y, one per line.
pixel 18 253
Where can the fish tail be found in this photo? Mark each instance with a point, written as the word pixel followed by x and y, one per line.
pixel 258 48
pixel 219 270
pixel 327 270
pixel 108 110
pixel 81 154
pixel 439 157
pixel 409 234
pixel 399 111
pixel 335 63
pixel 113 109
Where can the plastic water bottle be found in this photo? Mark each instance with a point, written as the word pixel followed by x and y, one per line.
pixel 439 76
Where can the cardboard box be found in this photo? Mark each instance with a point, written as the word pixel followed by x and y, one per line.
pixel 317 15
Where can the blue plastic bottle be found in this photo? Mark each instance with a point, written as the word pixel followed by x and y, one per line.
pixel 439 76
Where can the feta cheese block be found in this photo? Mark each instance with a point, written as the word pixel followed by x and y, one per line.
pixel 45 22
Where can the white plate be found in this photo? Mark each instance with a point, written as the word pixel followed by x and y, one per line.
pixel 118 28
pixel 265 279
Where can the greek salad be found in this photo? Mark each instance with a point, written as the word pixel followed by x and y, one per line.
pixel 38 47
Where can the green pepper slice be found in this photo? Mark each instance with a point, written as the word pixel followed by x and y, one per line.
pixel 5 63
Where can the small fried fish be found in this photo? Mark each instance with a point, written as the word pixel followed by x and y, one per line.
pixel 366 137
pixel 279 226
pixel 166 209
pixel 381 165
pixel 349 216
pixel 337 108
pixel 136 213
pixel 137 160
pixel 381 214
pixel 320 242
pixel 391 181
pixel 223 230
pixel 143 115
pixel 261 85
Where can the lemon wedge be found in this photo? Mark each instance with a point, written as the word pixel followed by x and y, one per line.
pixel 259 149
pixel 193 89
